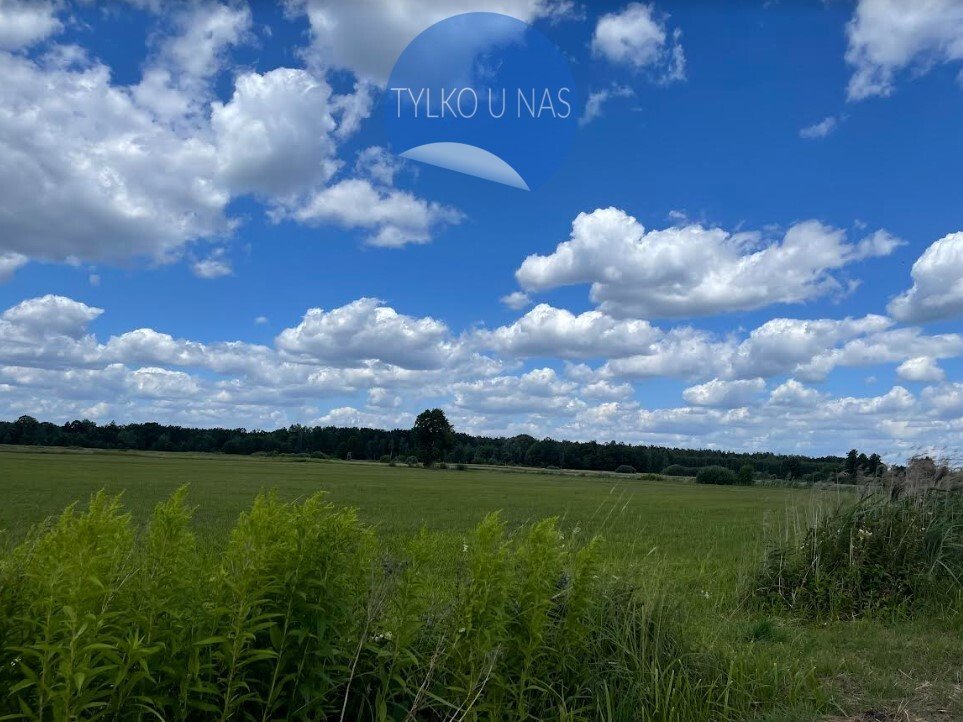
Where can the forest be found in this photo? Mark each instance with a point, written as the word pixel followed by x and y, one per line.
pixel 379 445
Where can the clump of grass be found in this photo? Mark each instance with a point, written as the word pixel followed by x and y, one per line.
pixel 298 615
pixel 886 552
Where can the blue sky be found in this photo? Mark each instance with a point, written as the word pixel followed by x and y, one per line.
pixel 202 222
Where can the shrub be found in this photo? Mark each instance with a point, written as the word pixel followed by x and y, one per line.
pixel 385 459
pixel 625 469
pixel 296 617
pixel 412 461
pixel 716 475
pixel 746 474
pixel 460 467
pixel 873 554
pixel 677 470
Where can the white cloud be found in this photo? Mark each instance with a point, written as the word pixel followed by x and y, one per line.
pixel 9 263
pixel 920 368
pixel 517 300
pixel 724 394
pixel 692 270
pixel 216 265
pixel 366 364
pixel 889 36
pixel 821 129
pixel 50 316
pixel 275 135
pixel 367 37
pixel 794 394
pixel 378 165
pixel 890 346
pixel 598 98
pixel 538 391
pixel 25 22
pixel 937 290
pixel 784 345
pixel 94 170
pixel 260 320
pixel 549 331
pixel 367 329
pixel 635 37
pixel 393 218
pixel 90 174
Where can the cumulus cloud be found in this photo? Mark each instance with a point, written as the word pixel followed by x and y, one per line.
pixel 50 316
pixel 549 331
pixel 367 329
pixel 890 36
pixel 94 170
pixel 516 300
pixel 216 265
pixel 90 174
pixel 538 391
pixel 724 394
pixel 393 218
pixel 367 37
pixel 937 290
pixel 275 135
pixel 693 270
pixel 636 37
pixel 920 368
pixel 25 22
pixel 366 364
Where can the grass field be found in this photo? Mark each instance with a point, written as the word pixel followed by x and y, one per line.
pixel 691 544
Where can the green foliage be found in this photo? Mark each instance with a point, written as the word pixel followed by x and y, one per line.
pixel 876 554
pixel 433 436
pixel 372 444
pixel 716 475
pixel 746 474
pixel 625 469
pixel 296 616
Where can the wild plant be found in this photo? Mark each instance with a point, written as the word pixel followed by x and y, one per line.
pixel 885 552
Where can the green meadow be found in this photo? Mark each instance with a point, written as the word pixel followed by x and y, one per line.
pixel 689 548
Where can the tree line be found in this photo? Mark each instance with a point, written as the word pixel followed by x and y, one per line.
pixel 378 444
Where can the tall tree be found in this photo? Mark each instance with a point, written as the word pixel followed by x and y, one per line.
pixel 433 436
pixel 852 463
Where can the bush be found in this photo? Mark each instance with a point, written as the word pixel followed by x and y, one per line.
pixel 385 459
pixel 296 617
pixel 460 467
pixel 676 470
pixel 412 461
pixel 716 475
pixel 625 469
pixel 874 554
pixel 746 474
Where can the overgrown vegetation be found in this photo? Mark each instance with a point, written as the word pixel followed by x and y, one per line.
pixel 716 475
pixel 297 615
pixel 895 549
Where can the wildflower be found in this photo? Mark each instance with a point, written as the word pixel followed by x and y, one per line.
pixel 864 533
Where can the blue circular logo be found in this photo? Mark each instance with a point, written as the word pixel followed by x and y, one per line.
pixel 483 94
